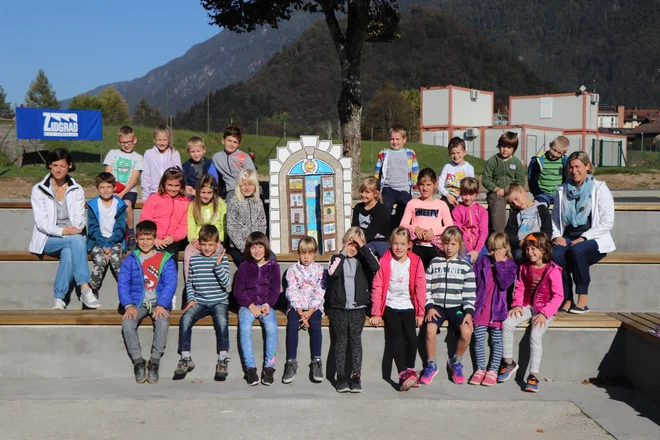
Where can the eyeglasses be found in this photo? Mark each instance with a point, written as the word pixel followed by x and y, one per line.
pixel 126 143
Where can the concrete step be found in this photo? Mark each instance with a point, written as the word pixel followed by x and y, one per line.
pixel 621 282
pixel 97 351
pixel 636 227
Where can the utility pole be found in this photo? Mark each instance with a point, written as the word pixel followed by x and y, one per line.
pixel 167 104
pixel 208 110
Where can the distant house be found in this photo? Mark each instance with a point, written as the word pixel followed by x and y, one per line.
pixel 633 117
pixel 610 117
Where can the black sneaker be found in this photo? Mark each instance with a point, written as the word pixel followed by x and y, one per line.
pixel 317 370
pixel 152 371
pixel 342 385
pixel 182 368
pixel 356 384
pixel 251 376
pixel 140 370
pixel 221 372
pixel 268 376
pixel 290 370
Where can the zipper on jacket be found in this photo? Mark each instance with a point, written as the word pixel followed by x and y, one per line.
pixel 444 300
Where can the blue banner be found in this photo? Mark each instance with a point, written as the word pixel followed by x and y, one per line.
pixel 63 125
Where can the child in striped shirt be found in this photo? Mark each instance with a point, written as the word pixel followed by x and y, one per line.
pixel 450 295
pixel 208 279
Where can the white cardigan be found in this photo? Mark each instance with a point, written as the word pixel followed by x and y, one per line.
pixel 602 217
pixel 45 212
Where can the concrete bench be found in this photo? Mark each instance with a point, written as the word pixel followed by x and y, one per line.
pixel 636 226
pixel 620 282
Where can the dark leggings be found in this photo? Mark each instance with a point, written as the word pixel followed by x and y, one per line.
pixel 401 336
pixel 347 326
pixel 426 253
pixel 292 328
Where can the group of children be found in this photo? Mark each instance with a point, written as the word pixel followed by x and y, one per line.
pixel 438 264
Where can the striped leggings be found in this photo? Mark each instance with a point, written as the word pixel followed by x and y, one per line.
pixel 480 340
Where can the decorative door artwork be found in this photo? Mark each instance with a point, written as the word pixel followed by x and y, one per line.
pixel 310 195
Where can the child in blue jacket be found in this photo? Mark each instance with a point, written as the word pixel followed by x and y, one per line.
pixel 146 285
pixel 106 230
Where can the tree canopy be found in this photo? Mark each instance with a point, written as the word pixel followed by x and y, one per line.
pixel 6 111
pixel 41 94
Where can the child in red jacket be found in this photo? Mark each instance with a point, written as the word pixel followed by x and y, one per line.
pixel 539 294
pixel 398 296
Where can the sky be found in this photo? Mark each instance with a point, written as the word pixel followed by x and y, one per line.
pixel 82 44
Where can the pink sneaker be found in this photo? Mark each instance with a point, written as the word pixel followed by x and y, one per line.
pixel 407 379
pixel 490 379
pixel 477 377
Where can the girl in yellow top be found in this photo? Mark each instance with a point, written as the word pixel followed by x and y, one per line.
pixel 206 209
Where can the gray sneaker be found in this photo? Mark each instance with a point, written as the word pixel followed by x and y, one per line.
pixel 290 370
pixel 317 370
pixel 87 297
pixel 221 372
pixel 182 368
pixel 152 371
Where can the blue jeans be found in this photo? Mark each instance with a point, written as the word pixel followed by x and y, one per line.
pixel 548 199
pixel 269 323
pixel 393 197
pixel 292 328
pixel 72 251
pixel 575 262
pixel 218 313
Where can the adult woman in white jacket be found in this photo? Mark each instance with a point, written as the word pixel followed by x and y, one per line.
pixel 58 205
pixel 582 218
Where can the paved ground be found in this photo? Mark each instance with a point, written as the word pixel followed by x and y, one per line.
pixel 196 408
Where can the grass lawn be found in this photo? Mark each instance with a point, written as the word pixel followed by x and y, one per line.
pixel 88 154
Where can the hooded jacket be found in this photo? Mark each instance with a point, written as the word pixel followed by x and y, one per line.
pixel 169 214
pixel 381 284
pixel 549 294
pixel 94 236
pixel 504 275
pixel 44 210
pixel 256 284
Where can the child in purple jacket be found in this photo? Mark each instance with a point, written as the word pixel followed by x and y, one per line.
pixel 494 273
pixel 256 289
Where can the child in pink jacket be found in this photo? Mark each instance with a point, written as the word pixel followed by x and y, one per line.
pixel 426 218
pixel 168 208
pixel 398 296
pixel 539 294
pixel 472 218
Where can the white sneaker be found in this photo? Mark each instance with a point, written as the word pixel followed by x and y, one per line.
pixel 87 297
pixel 174 302
pixel 59 304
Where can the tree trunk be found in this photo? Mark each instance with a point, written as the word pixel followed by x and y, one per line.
pixel 351 137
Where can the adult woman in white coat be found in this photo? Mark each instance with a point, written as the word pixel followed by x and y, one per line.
pixel 58 205
pixel 582 218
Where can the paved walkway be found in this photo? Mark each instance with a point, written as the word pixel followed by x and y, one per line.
pixel 196 408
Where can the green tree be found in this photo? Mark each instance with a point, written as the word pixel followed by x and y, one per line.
pixel 6 111
pixel 388 107
pixel 366 20
pixel 414 111
pixel 85 102
pixel 41 94
pixel 147 115
pixel 115 109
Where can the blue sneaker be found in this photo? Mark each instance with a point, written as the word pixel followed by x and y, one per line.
pixel 578 310
pixel 429 373
pixel 532 384
pixel 456 372
pixel 506 370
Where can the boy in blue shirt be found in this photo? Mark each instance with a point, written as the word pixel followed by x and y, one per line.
pixel 146 285
pixel 197 166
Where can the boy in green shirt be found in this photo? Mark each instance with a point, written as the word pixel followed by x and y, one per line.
pixel 500 171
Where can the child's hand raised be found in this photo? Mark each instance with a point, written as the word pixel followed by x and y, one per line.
pixel 358 241
pixel 500 254
pixel 220 256
pixel 515 312
pixel 375 321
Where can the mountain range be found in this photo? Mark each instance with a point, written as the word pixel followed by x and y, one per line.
pixel 609 45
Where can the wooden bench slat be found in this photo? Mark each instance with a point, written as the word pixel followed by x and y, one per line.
pixel 655 320
pixel 635 327
pixel 655 315
pixel 639 318
pixel 112 317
